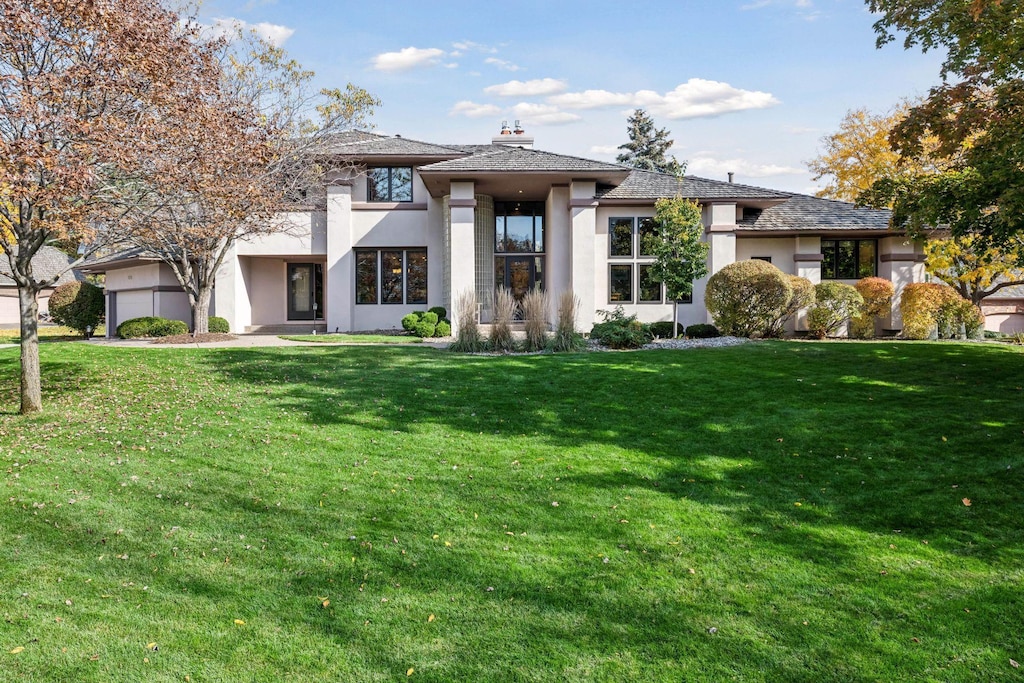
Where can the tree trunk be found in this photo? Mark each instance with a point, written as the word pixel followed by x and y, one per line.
pixel 675 319
pixel 201 311
pixel 31 384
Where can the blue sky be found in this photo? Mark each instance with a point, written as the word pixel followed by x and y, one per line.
pixel 748 86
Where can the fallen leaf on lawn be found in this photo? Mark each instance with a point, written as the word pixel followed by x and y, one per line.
pixel 239 622
pixel 798 504
pixel 967 502
pixel 17 650
pixel 430 618
pixel 409 672
pixel 447 544
pixel 151 646
pixel 943 438
pixel 915 640
pixel 94 658
pixel 1014 664
pixel 325 604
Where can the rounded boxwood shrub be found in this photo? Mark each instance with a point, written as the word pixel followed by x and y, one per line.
pixel 149 326
pixel 836 302
pixel 429 317
pixel 662 329
pixel 78 305
pixel 702 331
pixel 409 322
pixel 745 297
pixel 443 329
pixel 440 311
pixel 425 329
pixel 219 325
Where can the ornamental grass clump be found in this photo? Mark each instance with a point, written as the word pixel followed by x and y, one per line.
pixel 835 303
pixel 877 293
pixel 467 337
pixel 535 319
pixel 505 307
pixel 566 338
pixel 746 297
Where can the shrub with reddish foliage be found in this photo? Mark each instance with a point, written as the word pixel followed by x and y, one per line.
pixel 877 293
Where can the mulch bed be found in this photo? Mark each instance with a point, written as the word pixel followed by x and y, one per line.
pixel 195 339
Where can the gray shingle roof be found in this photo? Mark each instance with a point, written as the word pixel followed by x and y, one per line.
pixel 99 264
pixel 360 143
pixel 652 185
pixel 47 262
pixel 498 158
pixel 803 212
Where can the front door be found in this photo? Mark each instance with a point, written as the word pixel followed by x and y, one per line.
pixel 305 291
pixel 518 274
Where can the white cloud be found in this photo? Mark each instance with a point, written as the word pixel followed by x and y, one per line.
pixel 540 86
pixel 694 99
pixel 473 110
pixel 805 9
pixel 543 114
pixel 407 58
pixel 712 167
pixel 604 149
pixel 801 130
pixel 467 45
pixel 274 34
pixel 502 64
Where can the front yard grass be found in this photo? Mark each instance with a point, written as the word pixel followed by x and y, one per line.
pixel 354 338
pixel 768 512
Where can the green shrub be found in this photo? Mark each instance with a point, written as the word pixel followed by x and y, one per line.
pixel 620 331
pixel 425 329
pixel 409 322
pixel 443 329
pixel 440 311
pixel 150 327
pixel 78 305
pixel 663 329
pixel 802 296
pixel 835 303
pixel 745 297
pixel 958 317
pixel 702 331
pixel 429 317
pixel 919 304
pixel 219 325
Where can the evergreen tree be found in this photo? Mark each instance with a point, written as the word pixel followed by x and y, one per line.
pixel 647 147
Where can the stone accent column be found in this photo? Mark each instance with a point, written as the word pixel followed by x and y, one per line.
pixel 340 269
pixel 461 246
pixel 583 259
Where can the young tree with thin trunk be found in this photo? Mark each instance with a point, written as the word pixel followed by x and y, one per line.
pixel 81 82
pixel 681 255
pixel 252 150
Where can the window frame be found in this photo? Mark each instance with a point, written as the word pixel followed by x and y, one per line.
pixel 402 277
pixel 611 281
pixel 831 257
pixel 390 199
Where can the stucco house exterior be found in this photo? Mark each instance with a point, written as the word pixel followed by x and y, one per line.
pixel 413 224
pixel 48 262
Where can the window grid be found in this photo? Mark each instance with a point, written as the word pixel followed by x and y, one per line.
pixel 391 276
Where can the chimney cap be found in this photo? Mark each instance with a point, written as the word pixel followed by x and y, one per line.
pixel 505 130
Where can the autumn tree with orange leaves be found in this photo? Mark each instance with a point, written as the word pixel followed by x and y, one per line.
pixel 254 146
pixel 88 90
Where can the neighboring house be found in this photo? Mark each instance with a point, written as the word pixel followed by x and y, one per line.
pixel 413 224
pixel 48 262
pixel 1004 310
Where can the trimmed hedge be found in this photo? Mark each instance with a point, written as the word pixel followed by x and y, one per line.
pixel 745 297
pixel 427 323
pixel 219 325
pixel 78 305
pixel 662 330
pixel 836 302
pixel 702 331
pixel 150 327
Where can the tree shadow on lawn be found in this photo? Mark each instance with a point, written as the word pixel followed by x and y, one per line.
pixel 59 378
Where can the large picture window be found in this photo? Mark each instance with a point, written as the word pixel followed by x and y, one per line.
pixel 848 259
pixel 518 227
pixel 389 184
pixel 391 276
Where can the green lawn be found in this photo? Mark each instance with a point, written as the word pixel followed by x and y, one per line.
pixel 354 338
pixel 768 512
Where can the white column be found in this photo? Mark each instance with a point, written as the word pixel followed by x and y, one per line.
pixel 901 261
pixel 461 245
pixel 584 259
pixel 557 245
pixel 720 220
pixel 231 296
pixel 340 272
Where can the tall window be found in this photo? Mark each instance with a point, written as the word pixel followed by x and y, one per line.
pixel 630 241
pixel 389 184
pixel 519 227
pixel 848 259
pixel 391 276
